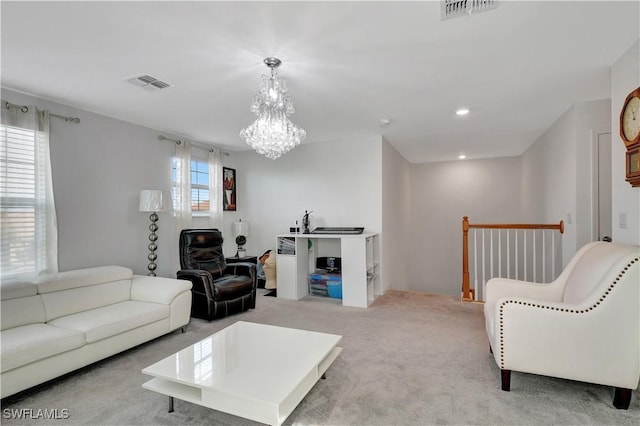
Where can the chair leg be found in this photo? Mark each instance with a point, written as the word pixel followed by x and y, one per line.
pixel 506 380
pixel 622 398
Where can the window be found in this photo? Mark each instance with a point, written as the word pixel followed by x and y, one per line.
pixel 200 194
pixel 20 196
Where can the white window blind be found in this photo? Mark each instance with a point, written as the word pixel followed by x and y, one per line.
pixel 18 189
pixel 25 239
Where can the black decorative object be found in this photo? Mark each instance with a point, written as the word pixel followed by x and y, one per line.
pixel 305 222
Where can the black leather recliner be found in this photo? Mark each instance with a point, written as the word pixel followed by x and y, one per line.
pixel 218 289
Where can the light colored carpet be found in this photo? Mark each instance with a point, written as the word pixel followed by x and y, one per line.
pixel 410 359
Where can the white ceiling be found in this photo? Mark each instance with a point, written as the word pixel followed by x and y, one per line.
pixel 347 64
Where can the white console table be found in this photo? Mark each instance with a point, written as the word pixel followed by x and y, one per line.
pixel 360 255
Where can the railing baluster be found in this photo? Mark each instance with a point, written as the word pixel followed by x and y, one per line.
pixel 544 258
pixel 491 252
pixel 553 255
pixel 483 260
pixel 475 260
pixel 517 258
pixel 508 255
pixel 525 254
pixel 535 264
pixel 499 252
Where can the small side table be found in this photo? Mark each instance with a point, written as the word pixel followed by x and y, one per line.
pixel 236 259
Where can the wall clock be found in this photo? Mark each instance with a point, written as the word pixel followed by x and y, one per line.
pixel 630 134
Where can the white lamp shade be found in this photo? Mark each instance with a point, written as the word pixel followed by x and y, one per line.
pixel 154 200
pixel 240 228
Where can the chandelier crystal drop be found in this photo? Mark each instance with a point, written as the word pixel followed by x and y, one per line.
pixel 272 134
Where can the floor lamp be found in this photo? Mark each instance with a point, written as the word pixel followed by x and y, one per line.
pixel 153 201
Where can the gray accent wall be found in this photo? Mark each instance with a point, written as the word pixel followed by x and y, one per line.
pixel 488 191
pixel 396 218
pixel 99 167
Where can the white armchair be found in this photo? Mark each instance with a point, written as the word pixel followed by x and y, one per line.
pixel 584 326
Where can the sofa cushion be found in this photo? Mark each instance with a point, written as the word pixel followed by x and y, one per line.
pixel 107 321
pixel 67 302
pixel 29 343
pixel 84 277
pixel 22 311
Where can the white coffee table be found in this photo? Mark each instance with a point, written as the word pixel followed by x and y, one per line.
pixel 256 371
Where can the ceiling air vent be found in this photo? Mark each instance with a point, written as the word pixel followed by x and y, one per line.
pixel 147 82
pixel 454 8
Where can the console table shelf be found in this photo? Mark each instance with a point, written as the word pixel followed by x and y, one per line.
pixel 360 266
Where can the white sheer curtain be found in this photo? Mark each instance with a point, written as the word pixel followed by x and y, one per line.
pixel 182 190
pixel 29 236
pixel 215 188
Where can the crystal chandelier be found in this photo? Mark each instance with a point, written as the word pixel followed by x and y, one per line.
pixel 272 134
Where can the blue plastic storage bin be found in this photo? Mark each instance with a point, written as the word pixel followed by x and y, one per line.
pixel 323 284
pixel 335 288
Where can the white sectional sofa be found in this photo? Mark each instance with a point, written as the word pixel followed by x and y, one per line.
pixel 75 318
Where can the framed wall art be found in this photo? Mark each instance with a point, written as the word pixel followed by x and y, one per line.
pixel 229 189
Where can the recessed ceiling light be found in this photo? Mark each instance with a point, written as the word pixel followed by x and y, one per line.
pixel 462 111
pixel 385 122
pixel 462 156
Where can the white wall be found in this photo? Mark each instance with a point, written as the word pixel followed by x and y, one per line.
pixel 592 118
pixel 532 194
pixel 557 173
pixel 396 216
pixel 555 177
pixel 625 77
pixel 488 191
pixel 340 182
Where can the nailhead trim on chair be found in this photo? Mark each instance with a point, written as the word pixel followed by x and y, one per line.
pixel 571 311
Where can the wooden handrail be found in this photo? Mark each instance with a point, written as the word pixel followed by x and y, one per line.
pixel 559 226
pixel 467 292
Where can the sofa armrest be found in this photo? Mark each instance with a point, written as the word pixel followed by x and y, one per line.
pixel 571 341
pixel 157 289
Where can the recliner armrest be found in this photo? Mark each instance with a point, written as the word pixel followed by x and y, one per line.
pixel 242 268
pixel 202 280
